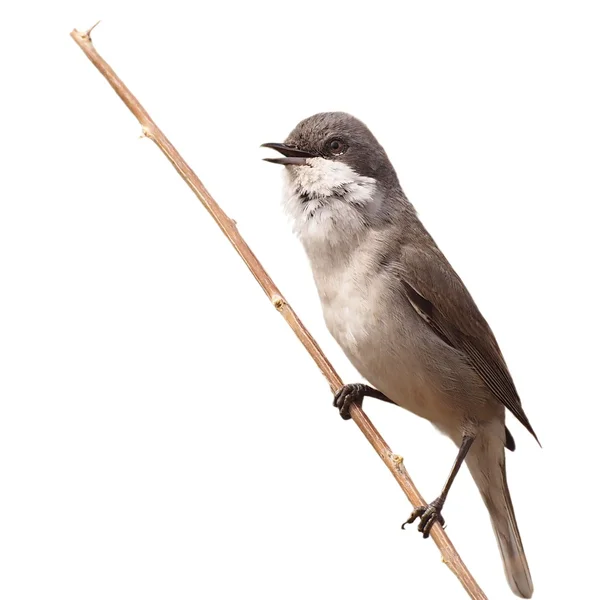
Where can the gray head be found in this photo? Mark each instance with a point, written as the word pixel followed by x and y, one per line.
pixel 338 137
pixel 339 179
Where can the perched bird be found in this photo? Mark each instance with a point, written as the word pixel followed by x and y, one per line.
pixel 401 313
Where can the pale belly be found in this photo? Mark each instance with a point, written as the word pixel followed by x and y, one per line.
pixel 396 352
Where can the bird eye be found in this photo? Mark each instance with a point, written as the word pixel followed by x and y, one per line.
pixel 337 146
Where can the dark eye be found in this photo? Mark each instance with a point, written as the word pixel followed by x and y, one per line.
pixel 337 146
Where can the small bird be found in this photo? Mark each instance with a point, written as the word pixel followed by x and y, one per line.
pixel 401 314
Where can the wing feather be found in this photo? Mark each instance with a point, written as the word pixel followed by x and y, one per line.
pixel 441 299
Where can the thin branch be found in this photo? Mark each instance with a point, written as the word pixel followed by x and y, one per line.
pixel 393 462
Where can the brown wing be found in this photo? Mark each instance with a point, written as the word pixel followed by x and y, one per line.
pixel 439 296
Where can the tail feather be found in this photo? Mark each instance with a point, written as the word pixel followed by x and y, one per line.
pixel 489 472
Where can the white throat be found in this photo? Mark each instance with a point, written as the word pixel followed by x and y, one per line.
pixel 326 200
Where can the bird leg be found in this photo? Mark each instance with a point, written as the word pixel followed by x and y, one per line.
pixel 354 393
pixel 432 513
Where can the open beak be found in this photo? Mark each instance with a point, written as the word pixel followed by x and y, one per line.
pixel 291 156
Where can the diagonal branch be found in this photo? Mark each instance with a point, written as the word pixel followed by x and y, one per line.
pixel 393 462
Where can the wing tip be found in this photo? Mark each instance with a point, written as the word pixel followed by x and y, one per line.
pixel 533 433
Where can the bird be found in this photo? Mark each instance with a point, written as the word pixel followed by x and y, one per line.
pixel 401 313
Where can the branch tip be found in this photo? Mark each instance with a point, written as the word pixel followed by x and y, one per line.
pixel 87 34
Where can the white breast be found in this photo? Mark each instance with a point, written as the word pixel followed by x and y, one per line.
pixel 350 304
pixel 323 200
pixel 346 315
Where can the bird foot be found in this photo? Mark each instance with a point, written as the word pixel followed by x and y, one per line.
pixel 351 393
pixel 429 515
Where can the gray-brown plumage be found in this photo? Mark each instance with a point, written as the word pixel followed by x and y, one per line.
pixel 401 313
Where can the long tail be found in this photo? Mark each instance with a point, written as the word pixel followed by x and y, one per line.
pixel 487 466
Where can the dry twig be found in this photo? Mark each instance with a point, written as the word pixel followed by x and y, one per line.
pixel 394 463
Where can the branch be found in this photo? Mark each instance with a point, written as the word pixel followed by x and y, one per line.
pixel 393 462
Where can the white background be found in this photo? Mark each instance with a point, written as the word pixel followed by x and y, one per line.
pixel 162 432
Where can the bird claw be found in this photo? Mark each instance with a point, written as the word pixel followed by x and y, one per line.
pixel 429 515
pixel 351 393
